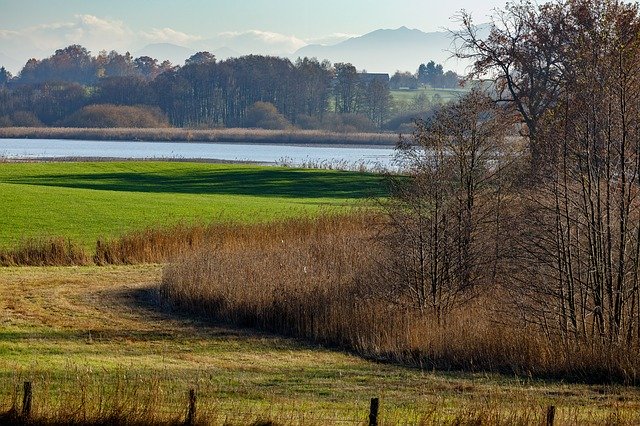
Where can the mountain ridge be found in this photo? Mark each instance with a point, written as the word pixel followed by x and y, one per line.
pixel 389 50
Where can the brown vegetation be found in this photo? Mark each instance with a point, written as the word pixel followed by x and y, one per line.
pixel 265 115
pixel 313 280
pixel 163 244
pixel 45 252
pixel 110 116
pixel 194 135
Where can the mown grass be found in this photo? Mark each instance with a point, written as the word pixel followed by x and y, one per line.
pixel 95 339
pixel 83 201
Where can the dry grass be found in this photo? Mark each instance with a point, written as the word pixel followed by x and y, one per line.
pixel 156 245
pixel 314 280
pixel 45 252
pixel 194 135
pixel 94 342
pixel 151 245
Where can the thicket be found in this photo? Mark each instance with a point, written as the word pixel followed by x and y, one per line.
pixel 107 116
pixel 204 92
pixel 499 253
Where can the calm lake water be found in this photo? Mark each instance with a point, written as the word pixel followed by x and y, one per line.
pixel 259 153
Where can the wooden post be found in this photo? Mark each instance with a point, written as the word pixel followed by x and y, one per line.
pixel 27 397
pixel 373 412
pixel 191 414
pixel 551 415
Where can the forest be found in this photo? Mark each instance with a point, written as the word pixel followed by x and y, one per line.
pixel 72 88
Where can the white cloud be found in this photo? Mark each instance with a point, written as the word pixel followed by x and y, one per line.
pixel 256 41
pixel 168 35
pixel 90 31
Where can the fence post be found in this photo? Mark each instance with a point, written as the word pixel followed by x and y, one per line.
pixel 373 412
pixel 191 414
pixel 27 397
pixel 551 415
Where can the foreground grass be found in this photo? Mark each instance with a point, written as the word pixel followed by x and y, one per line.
pixel 86 200
pixel 93 337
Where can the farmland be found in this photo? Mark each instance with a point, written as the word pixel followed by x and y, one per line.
pixel 104 341
pixel 445 95
pixel 86 200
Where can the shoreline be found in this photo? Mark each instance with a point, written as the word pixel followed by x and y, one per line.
pixel 72 159
pixel 235 135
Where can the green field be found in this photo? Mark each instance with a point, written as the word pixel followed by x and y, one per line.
pixel 445 94
pixel 85 200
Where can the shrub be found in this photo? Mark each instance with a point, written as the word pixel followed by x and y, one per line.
pixel 265 116
pixel 307 122
pixel 25 119
pixel 347 123
pixel 404 122
pixel 107 115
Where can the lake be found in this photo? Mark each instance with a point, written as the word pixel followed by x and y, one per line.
pixel 343 156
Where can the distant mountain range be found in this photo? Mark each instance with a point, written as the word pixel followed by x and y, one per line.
pixel 401 49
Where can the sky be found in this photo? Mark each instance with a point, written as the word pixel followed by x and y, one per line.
pixel 35 28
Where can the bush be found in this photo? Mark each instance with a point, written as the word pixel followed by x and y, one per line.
pixel 107 115
pixel 25 119
pixel 404 122
pixel 265 116
pixel 347 123
pixel 307 122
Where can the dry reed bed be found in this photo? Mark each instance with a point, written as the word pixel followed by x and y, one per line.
pixel 311 279
pixel 55 251
pixel 197 135
pixel 152 245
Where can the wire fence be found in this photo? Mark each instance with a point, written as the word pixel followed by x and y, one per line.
pixel 192 414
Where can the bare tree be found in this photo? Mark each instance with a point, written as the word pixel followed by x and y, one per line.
pixel 579 260
pixel 443 216
pixel 523 57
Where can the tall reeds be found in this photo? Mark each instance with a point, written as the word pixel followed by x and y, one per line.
pixel 55 251
pixel 320 281
pixel 196 135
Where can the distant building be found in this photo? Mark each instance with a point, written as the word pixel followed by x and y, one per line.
pixel 369 77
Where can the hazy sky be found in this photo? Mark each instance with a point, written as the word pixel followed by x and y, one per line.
pixel 37 27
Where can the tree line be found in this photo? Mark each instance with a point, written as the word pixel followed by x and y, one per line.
pixel 204 92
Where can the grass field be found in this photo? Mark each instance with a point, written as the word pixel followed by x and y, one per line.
pixel 445 94
pixel 85 200
pixel 93 337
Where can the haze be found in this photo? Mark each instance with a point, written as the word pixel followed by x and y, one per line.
pixel 33 28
